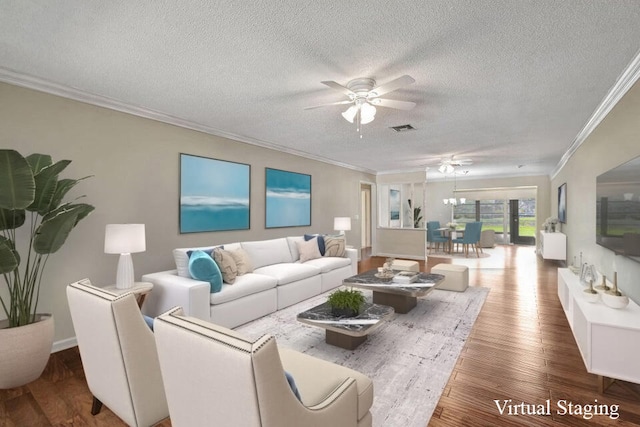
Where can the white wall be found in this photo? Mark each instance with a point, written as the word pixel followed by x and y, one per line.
pixel 615 141
pixel 135 168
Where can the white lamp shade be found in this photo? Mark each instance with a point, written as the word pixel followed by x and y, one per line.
pixel 124 238
pixel 350 114
pixel 367 113
pixel 342 223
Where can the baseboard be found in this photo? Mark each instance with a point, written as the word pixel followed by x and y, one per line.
pixel 64 344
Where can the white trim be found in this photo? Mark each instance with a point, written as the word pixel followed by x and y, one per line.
pixel 42 85
pixel 626 80
pixel 64 344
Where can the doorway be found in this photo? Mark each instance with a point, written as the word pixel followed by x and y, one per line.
pixel 522 221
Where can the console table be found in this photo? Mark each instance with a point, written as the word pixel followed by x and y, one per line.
pixel 608 339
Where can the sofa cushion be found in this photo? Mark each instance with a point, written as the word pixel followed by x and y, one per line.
pixel 267 252
pixel 308 250
pixel 316 378
pixel 335 246
pixel 326 264
pixel 242 260
pixel 247 284
pixel 227 265
pixel 181 258
pixel 288 272
pixel 203 267
pixel 293 247
pixel 320 241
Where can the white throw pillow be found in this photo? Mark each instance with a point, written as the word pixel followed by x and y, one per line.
pixel 309 250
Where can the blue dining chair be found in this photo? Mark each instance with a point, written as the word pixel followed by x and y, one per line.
pixel 471 237
pixel 434 237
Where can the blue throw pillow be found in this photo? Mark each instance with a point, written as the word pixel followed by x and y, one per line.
pixel 149 321
pixel 292 384
pixel 203 267
pixel 308 237
pixel 207 251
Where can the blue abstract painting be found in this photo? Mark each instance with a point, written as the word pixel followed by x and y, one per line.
pixel 288 199
pixel 214 194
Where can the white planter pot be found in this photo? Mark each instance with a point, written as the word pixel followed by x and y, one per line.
pixel 24 351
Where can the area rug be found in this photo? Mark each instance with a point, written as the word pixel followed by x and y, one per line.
pixel 409 358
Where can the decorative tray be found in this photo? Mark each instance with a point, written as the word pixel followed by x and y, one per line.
pixel 384 275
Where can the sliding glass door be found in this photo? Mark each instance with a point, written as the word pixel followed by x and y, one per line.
pixel 513 221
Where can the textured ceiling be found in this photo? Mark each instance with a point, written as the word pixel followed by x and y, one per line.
pixel 509 84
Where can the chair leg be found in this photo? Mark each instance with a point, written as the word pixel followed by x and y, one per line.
pixel 95 406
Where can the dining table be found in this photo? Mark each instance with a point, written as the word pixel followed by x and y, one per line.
pixel 451 234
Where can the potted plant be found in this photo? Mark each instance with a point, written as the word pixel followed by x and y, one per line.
pixel 417 214
pixel 346 302
pixel 34 223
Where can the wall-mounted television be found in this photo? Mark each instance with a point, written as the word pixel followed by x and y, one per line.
pixel 618 209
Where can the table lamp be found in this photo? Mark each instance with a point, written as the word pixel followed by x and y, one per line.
pixel 342 224
pixel 124 239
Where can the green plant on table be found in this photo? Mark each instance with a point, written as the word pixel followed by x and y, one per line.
pixel 31 195
pixel 346 299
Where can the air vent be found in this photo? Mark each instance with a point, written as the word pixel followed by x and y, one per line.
pixel 403 128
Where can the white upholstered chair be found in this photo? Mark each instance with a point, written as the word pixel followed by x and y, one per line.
pixel 215 376
pixel 118 353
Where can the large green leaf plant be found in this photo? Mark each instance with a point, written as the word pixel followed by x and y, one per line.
pixel 31 195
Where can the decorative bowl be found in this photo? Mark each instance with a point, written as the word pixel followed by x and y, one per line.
pixel 615 301
pixel 591 297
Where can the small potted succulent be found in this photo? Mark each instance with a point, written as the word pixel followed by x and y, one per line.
pixel 346 302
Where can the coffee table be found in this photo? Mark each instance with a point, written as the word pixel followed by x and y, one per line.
pixel 347 333
pixel 402 297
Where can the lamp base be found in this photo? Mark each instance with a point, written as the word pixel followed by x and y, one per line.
pixel 124 278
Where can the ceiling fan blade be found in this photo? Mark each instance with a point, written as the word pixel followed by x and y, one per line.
pixel 339 87
pixel 390 86
pixel 326 105
pixel 392 103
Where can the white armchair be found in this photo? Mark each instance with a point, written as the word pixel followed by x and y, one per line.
pixel 118 353
pixel 213 375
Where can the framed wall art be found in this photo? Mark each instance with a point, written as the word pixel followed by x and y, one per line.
pixel 562 203
pixel 214 194
pixel 288 199
pixel 394 205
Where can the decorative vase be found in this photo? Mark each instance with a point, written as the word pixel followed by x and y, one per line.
pixel 24 351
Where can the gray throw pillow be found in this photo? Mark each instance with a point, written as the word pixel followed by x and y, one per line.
pixel 227 265
pixel 334 246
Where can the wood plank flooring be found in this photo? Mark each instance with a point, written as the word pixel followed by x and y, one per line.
pixel 521 348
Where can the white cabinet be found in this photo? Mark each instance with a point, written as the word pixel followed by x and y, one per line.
pixel 608 339
pixel 553 245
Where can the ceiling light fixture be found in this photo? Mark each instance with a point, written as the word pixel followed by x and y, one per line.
pixel 446 168
pixel 365 97
pixel 362 112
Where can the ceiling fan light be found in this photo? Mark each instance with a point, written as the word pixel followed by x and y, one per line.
pixel 350 114
pixel 368 113
pixel 445 168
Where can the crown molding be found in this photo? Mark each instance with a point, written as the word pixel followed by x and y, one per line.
pixel 626 80
pixel 31 82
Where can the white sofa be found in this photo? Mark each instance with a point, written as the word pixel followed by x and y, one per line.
pixel 278 280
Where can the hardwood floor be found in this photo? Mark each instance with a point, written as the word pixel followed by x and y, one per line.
pixel 521 348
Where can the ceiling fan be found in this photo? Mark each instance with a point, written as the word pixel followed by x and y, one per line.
pixel 365 97
pixel 448 165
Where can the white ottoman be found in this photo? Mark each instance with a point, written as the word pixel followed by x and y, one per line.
pixel 405 265
pixel 456 277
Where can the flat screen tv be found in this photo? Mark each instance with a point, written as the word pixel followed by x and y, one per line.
pixel 618 209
